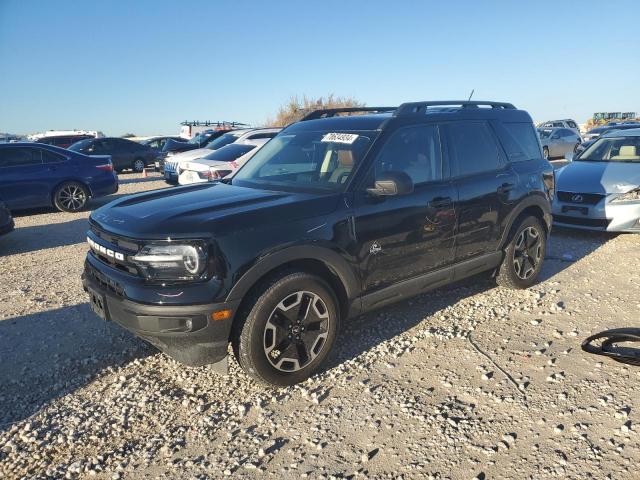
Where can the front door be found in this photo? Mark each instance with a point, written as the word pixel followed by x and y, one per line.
pixel 405 236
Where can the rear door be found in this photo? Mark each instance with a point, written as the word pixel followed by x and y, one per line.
pixel 406 236
pixel 485 185
pixel 22 181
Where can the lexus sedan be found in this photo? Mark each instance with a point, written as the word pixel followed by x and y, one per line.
pixel 600 189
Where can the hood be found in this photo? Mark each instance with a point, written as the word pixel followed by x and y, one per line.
pixel 598 177
pixel 207 209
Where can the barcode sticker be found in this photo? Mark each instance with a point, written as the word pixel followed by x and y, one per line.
pixel 335 137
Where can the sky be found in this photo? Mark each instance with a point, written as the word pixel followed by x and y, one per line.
pixel 144 66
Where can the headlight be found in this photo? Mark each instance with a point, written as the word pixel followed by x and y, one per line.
pixel 169 261
pixel 632 196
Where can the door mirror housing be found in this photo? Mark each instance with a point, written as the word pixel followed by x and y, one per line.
pixel 390 184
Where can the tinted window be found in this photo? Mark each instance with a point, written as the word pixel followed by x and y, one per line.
pixel 225 139
pixel 14 157
pixel 474 148
pixel 415 151
pixel 51 157
pixel 262 135
pixel 80 146
pixel 522 142
pixel 558 124
pixel 229 152
pixel 572 124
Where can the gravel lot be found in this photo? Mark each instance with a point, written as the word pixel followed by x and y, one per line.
pixel 417 390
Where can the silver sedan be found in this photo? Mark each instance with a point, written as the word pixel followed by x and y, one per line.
pixel 557 142
pixel 600 190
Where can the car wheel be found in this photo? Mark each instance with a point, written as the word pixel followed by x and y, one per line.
pixel 138 165
pixel 287 330
pixel 71 197
pixel 523 255
pixel 545 153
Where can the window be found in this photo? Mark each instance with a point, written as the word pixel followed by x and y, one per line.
pixel 521 142
pixel 558 124
pixel 229 152
pixel 572 124
pixel 474 148
pixel 415 151
pixel 18 157
pixel 51 157
pixel 566 133
pixel 262 135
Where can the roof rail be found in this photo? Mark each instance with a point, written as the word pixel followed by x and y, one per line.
pixel 209 123
pixel 332 112
pixel 421 107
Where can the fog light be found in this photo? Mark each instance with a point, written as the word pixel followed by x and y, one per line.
pixel 221 315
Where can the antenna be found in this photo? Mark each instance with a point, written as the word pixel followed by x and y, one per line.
pixel 471 95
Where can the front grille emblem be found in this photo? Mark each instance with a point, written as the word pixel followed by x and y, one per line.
pixel 577 198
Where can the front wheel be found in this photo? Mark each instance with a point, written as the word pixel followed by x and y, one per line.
pixel 71 197
pixel 138 165
pixel 288 330
pixel 523 255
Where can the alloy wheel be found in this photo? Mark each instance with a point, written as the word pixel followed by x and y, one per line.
pixel 72 197
pixel 296 331
pixel 527 253
pixel 138 165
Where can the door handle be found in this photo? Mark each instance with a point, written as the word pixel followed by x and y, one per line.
pixel 440 202
pixel 506 187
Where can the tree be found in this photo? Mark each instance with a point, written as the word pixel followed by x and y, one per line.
pixel 296 108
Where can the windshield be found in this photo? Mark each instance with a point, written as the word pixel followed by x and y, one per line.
pixel 613 149
pixel 200 138
pixel 79 146
pixel 545 133
pixel 229 152
pixel 306 160
pixel 223 140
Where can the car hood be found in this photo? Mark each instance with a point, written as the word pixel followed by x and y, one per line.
pixel 206 210
pixel 598 177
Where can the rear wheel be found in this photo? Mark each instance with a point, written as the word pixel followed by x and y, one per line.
pixel 288 329
pixel 523 255
pixel 71 197
pixel 138 165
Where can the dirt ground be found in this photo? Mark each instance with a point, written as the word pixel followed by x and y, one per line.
pixel 469 381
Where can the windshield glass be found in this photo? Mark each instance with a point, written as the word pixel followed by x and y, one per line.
pixel 79 146
pixel 613 149
pixel 545 133
pixel 229 152
pixel 200 138
pixel 221 141
pixel 306 160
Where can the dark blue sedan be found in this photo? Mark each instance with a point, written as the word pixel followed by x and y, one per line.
pixel 37 175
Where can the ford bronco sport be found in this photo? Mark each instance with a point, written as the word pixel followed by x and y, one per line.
pixel 339 214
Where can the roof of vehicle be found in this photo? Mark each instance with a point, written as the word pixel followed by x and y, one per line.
pixel 629 132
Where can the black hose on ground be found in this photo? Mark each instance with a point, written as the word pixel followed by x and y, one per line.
pixel 609 345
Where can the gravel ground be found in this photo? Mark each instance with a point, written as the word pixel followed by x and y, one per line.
pixel 470 381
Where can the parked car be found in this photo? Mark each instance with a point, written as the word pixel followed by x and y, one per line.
pixel 566 123
pixel 158 142
pixel 63 141
pixel 172 165
pixel 600 189
pixel 125 154
pixel 37 175
pixel 557 142
pixel 197 141
pixel 6 220
pixel 592 135
pixel 335 216
pixel 219 163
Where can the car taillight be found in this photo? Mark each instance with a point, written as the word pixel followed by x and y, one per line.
pixel 107 167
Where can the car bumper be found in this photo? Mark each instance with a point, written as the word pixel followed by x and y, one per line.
pixel 170 177
pixel 186 333
pixel 104 187
pixel 604 217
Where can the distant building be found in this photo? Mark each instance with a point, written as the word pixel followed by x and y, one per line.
pixel 601 117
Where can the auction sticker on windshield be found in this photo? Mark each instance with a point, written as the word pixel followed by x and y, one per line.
pixel 335 137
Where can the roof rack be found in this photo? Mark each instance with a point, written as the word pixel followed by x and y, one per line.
pixel 421 107
pixel 209 123
pixel 332 112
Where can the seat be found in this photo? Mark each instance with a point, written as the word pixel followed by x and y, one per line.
pixel 345 165
pixel 627 152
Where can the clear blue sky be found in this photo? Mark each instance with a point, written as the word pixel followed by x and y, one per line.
pixel 143 66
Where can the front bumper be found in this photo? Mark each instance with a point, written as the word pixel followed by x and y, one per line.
pixel 186 333
pixel 604 216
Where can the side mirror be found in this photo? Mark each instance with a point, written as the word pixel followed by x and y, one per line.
pixel 569 156
pixel 391 183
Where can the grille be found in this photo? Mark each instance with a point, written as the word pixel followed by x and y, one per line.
pixel 103 280
pixel 586 198
pixel 115 244
pixel 584 222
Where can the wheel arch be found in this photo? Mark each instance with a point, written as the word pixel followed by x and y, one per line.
pixel 55 188
pixel 536 206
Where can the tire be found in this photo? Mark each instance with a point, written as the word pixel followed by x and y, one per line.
pixel 138 165
pixel 545 153
pixel 521 265
pixel 267 339
pixel 71 197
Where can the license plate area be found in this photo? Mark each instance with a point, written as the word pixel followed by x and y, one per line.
pixel 98 303
pixel 569 209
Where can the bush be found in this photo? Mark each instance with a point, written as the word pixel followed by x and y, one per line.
pixel 296 108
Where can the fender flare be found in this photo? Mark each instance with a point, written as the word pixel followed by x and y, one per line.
pixel 539 201
pixel 330 258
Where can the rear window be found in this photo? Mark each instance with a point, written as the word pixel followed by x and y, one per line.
pixel 572 124
pixel 521 143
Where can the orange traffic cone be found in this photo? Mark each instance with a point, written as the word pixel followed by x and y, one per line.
pixel 144 173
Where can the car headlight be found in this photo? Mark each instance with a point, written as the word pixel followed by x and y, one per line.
pixel 632 196
pixel 172 261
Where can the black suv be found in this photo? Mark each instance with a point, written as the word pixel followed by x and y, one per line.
pixel 337 215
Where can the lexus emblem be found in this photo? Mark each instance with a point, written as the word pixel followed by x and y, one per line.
pixel 577 198
pixel 375 248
